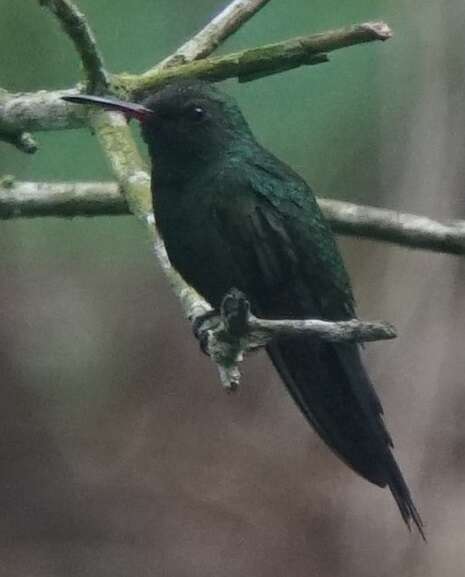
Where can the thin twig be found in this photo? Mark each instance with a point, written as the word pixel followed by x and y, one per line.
pixel 264 60
pixel 229 336
pixel 213 34
pixel 338 332
pixel 409 230
pixel 32 199
pixel 76 27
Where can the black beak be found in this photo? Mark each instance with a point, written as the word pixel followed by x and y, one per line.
pixel 129 109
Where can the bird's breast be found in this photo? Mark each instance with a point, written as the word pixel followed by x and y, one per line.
pixel 194 244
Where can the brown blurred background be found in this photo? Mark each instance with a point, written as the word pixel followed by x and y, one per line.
pixel 120 453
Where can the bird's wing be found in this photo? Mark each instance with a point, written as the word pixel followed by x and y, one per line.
pixel 289 266
pixel 292 240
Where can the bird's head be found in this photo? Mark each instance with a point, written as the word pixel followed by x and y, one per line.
pixel 184 120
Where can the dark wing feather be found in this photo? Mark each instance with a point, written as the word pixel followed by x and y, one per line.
pixel 290 268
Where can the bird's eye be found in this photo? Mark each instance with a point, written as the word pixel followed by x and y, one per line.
pixel 196 113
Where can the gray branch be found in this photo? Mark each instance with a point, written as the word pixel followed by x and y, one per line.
pixel 10 133
pixel 400 228
pixel 76 27
pixel 338 332
pixel 235 332
pixel 213 34
pixel 39 111
pixel 34 199
pixel 59 199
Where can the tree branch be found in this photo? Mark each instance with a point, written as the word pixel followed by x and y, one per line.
pixel 45 111
pixel 213 34
pixel 39 111
pixel 227 337
pixel 59 199
pixel 125 161
pixel 23 141
pixel 76 27
pixel 41 199
pixel 262 61
pixel 400 228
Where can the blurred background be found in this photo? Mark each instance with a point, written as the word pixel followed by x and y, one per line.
pixel 120 455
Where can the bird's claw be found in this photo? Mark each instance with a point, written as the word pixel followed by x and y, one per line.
pixel 235 310
pixel 201 326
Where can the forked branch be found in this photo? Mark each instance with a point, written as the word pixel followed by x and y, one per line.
pixel 45 111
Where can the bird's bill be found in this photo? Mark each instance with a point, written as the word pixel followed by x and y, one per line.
pixel 130 109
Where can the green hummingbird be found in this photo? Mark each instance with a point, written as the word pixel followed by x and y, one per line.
pixel 231 214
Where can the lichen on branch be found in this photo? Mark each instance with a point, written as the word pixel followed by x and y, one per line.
pixel 45 110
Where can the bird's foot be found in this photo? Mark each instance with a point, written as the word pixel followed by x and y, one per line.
pixel 231 320
pixel 235 311
pixel 202 325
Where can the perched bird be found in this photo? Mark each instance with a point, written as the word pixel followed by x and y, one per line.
pixel 233 215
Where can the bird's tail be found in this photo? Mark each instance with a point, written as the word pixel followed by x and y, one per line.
pixel 331 387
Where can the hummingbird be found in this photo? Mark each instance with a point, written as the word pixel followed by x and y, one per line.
pixel 232 214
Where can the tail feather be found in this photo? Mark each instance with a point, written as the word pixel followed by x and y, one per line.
pixel 330 386
pixel 403 498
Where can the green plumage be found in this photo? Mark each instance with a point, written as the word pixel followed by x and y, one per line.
pixel 233 215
